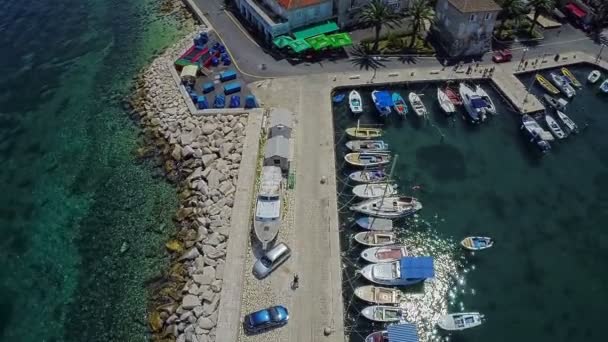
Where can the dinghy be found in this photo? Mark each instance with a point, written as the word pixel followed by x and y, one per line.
pixel 367 159
pixel 445 103
pixel 374 190
pixel 399 104
pixel 570 77
pixel 267 220
pixel 338 98
pixel 354 102
pixel 490 108
pixel 368 176
pixel 554 127
pixel 384 253
pixel 407 271
pixel 477 243
pixel 364 132
pixel 375 223
pixel 417 104
pixel 594 76
pixel 373 238
pixel 388 207
pixel 558 104
pixel 572 127
pixel 473 103
pixel 460 321
pixel 604 86
pixel 378 295
pixel 382 101
pixel 562 83
pixel 382 313
pixel 377 336
pixel 550 88
pixel 367 146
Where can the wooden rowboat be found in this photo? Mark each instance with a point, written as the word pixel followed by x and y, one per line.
pixel 373 238
pixel 378 295
pixel 368 159
pixel 382 313
pixel 477 243
pixel 364 132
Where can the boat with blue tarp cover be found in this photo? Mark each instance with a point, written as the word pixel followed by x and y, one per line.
pixel 407 332
pixel 474 104
pixel 382 101
pixel 406 271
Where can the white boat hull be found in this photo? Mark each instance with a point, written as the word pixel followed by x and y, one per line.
pixel 374 190
pixel 375 239
pixel 417 104
pixel 444 102
pixel 381 313
pixel 460 321
pixel 388 207
pixel 594 76
pixel 554 127
pixel 384 254
pixel 355 102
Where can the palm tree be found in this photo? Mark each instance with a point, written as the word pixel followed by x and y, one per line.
pixel 419 11
pixel 540 6
pixel 511 9
pixel 376 13
pixel 362 57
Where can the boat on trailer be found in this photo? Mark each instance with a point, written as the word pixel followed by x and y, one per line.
pixel 374 238
pixel 375 223
pixel 367 145
pixel 594 76
pixel 382 313
pixel 384 253
pixel 368 176
pixel 354 102
pixel 374 190
pixel 378 295
pixel 388 207
pixel 477 243
pixel 554 127
pixel 367 159
pixel 460 321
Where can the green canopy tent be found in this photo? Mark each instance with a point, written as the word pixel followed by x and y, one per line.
pixel 339 40
pixel 282 41
pixel 316 30
pixel 299 45
pixel 319 42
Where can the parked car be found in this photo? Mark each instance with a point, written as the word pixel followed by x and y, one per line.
pixel 265 319
pixel 271 260
pixel 502 56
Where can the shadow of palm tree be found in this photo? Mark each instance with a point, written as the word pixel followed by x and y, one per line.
pixel 408 59
pixel 363 58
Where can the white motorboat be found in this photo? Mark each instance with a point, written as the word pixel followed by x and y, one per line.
pixel 374 190
pixel 562 83
pixel 367 145
pixel 267 219
pixel 473 103
pixel 407 271
pixel 604 86
pixel 460 321
pixel 382 313
pixel 378 295
pixel 572 127
pixel 388 207
pixel 354 102
pixel 368 176
pixel 490 108
pixel 477 243
pixel 537 134
pixel 368 159
pixel 384 253
pixel 417 104
pixel 554 127
pixel 558 104
pixel 375 238
pixel 445 102
pixel 594 76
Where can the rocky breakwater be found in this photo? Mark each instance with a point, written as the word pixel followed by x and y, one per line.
pixel 201 154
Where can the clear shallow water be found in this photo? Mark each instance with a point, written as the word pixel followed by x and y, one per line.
pixel 72 191
pixel 544 279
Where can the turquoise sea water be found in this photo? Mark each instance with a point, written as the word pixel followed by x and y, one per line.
pixel 544 280
pixel 72 191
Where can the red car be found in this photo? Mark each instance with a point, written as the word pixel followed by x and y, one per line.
pixel 502 56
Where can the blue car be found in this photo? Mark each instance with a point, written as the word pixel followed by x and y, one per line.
pixel 272 317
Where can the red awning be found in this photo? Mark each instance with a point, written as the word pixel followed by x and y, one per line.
pixel 575 10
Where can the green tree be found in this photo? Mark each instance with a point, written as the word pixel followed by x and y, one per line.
pixel 511 9
pixel 363 58
pixel 419 12
pixel 375 14
pixel 539 6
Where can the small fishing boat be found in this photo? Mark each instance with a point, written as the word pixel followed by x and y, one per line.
pixel 267 220
pixel 367 159
pixel 373 238
pixel 594 76
pixel 375 223
pixel 377 336
pixel 562 83
pixel 399 104
pixel 604 86
pixel 354 102
pixel 550 88
pixel 554 127
pixel 384 253
pixel 460 321
pixel 338 98
pixel 445 102
pixel 570 125
pixel 453 96
pixel 490 108
pixel 417 104
pixel 473 103
pixel 378 295
pixel 558 104
pixel 374 190
pixel 367 146
pixel 477 243
pixel 388 207
pixel 571 78
pixel 382 101
pixel 382 313
pixel 368 176
pixel 406 271
pixel 537 135
pixel 364 132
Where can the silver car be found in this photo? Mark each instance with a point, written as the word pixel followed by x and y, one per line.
pixel 271 260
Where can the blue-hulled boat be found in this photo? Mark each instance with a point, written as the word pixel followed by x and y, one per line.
pixel 201 102
pixel 235 101
pixel 399 104
pixel 382 101
pixel 407 271
pixel 338 98
pixel 250 102
pixel 375 223
pixel 477 243
pixel 220 101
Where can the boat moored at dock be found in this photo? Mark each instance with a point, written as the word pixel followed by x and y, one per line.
pixel 377 336
pixel 562 83
pixel 382 313
pixel 571 78
pixel 399 104
pixel 368 176
pixel 490 107
pixel 537 134
pixel 388 207
pixel 364 132
pixel 570 125
pixel 554 127
pixel 354 102
pixel 594 76
pixel 375 238
pixel 473 103
pixel 384 253
pixel 367 146
pixel 378 295
pixel 417 104
pixel 545 84
pixel 367 159
pixel 445 102
pixel 383 102
pixel 406 271
pixel 374 190
pixel 555 103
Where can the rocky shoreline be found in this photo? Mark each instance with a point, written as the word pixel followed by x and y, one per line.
pixel 201 155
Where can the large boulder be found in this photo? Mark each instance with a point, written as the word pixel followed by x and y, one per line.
pixel 190 302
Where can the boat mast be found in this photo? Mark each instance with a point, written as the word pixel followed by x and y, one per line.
pixel 390 176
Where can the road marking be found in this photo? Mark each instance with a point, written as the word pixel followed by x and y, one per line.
pixel 242 29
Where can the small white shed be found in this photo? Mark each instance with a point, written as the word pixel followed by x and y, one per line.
pixel 281 123
pixel 277 153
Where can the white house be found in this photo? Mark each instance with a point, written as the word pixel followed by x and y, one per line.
pixel 465 27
